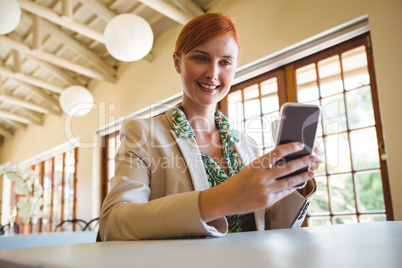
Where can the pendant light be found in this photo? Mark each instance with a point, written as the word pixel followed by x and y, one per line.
pixel 128 37
pixel 76 101
pixel 10 16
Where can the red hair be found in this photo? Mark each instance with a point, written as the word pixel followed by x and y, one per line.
pixel 203 28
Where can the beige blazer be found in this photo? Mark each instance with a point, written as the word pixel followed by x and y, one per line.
pixel 158 179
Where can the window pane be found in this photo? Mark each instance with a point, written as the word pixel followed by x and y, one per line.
pixel 254 130
pixel 319 221
pixel 360 108
pixel 354 63
pixel 57 194
pixel 337 153
pixel 267 129
pixel 112 148
pixel 370 193
pixel 307 89
pixel 372 218
pixel 47 194
pixel 345 219
pixel 342 194
pixel 364 149
pixel 319 205
pixel 322 169
pixel 235 107
pixel 330 76
pixel 110 169
pixel 239 126
pixel 251 102
pixel 333 109
pixel 269 96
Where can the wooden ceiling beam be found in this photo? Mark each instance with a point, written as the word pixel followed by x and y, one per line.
pixel 36 32
pixel 78 48
pixel 67 9
pixel 15 124
pixel 64 21
pixel 189 7
pixel 168 10
pixel 99 9
pixel 30 80
pixel 49 57
pixel 28 105
pixel 17 60
pixel 18 118
pixel 40 94
pixel 60 74
pixel 6 133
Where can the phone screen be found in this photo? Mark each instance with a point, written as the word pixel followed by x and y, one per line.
pixel 298 123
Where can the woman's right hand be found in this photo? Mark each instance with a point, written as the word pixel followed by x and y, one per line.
pixel 256 187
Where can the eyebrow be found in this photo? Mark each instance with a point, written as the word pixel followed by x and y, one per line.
pixel 205 53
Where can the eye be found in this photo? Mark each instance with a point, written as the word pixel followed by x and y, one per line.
pixel 200 58
pixel 226 63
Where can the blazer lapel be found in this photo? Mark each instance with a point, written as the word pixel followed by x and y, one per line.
pixel 244 152
pixel 192 156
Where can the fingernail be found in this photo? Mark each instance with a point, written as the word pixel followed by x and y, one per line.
pixel 301 145
pixel 311 158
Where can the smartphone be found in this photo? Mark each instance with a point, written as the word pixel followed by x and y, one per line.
pixel 297 123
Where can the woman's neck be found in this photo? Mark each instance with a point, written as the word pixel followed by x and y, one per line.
pixel 201 119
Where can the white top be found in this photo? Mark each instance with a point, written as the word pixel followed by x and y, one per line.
pixel 376 244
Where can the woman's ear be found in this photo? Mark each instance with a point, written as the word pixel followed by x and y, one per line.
pixel 176 61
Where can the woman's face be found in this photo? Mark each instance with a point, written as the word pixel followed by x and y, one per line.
pixel 207 71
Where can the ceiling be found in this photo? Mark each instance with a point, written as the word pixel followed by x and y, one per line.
pixel 59 43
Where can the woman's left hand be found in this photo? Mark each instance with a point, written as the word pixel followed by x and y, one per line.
pixel 318 153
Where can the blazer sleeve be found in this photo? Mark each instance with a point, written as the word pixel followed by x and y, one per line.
pixel 128 214
pixel 290 211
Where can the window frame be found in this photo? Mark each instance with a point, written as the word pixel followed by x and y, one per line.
pixel 288 93
pixel 39 167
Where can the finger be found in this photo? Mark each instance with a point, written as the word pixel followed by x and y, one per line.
pixel 269 159
pixel 314 166
pixel 291 182
pixel 319 159
pixel 289 167
pixel 282 193
pixel 317 148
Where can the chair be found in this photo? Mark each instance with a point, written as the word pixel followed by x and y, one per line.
pixel 92 225
pixel 98 237
pixel 4 228
pixel 81 223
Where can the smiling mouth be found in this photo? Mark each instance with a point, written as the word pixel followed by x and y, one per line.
pixel 206 86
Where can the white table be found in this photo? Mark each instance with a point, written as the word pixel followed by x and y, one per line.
pixel 357 245
pixel 45 239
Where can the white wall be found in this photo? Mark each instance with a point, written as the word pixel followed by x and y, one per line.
pixel 265 26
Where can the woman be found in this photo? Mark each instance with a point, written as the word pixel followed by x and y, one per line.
pixel 186 172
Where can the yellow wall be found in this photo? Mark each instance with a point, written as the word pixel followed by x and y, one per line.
pixel 265 26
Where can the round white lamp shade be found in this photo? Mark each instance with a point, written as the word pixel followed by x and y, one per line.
pixel 128 37
pixel 76 101
pixel 10 15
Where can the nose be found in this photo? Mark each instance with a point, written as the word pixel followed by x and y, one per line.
pixel 212 71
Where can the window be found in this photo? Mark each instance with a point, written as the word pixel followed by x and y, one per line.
pixel 253 105
pixel 353 183
pixel 58 177
pixel 112 143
